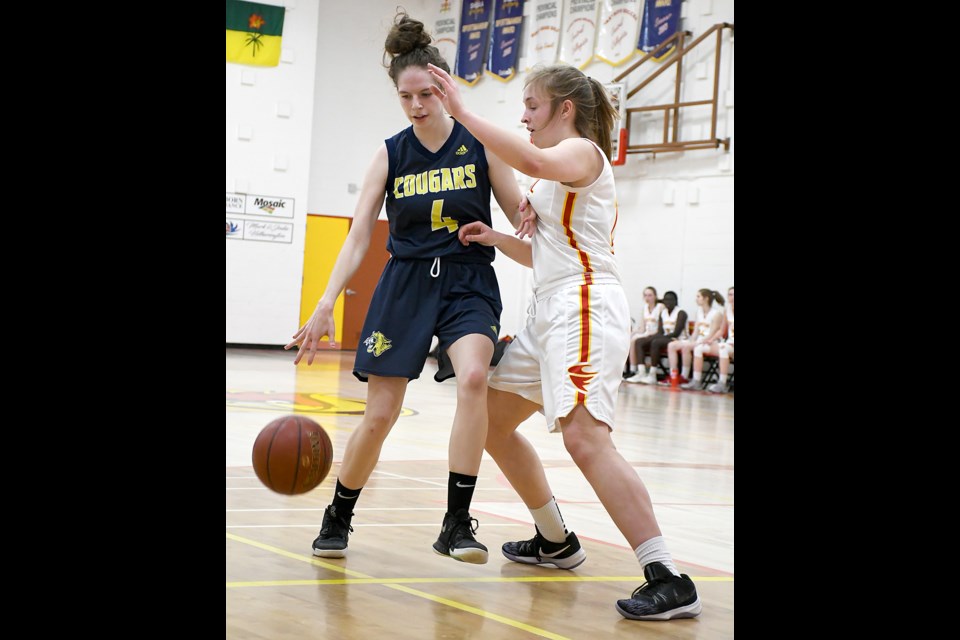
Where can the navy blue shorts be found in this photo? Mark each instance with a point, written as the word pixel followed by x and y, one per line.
pixel 410 306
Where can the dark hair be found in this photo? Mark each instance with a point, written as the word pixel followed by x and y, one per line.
pixel 710 294
pixel 595 112
pixel 668 293
pixel 410 46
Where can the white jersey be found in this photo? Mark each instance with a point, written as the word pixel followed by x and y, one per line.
pixel 650 317
pixel 729 325
pixel 670 322
pixel 702 329
pixel 572 349
pixel 575 226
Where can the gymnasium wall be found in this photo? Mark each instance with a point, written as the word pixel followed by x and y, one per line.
pixel 269 123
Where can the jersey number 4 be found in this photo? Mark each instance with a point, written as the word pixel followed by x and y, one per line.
pixel 438 221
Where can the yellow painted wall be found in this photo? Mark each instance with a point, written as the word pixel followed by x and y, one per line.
pixel 325 236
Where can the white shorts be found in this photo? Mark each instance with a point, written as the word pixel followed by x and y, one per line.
pixel 570 352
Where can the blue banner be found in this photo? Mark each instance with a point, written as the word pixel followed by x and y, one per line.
pixel 504 47
pixel 474 35
pixel 660 21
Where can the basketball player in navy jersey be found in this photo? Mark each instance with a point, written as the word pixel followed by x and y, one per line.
pixel 435 177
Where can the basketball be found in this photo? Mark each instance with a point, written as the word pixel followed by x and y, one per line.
pixel 292 455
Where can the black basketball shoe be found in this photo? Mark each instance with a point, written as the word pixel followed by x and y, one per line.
pixel 332 541
pixel 456 539
pixel 663 596
pixel 538 550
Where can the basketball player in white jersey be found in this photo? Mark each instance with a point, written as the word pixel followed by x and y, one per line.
pixel 673 326
pixel 568 360
pixel 641 339
pixel 722 348
pixel 707 332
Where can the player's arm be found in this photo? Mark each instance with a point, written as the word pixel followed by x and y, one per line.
pixel 514 248
pixel 573 160
pixel 354 248
pixel 505 188
pixel 681 323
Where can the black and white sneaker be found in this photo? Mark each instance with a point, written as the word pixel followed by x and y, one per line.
pixel 332 541
pixel 663 596
pixel 538 550
pixel 456 539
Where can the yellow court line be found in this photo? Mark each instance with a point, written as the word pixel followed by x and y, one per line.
pixel 421 594
pixel 388 581
pixel 543 633
pixel 297 556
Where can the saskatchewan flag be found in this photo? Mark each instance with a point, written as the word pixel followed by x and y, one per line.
pixel 253 33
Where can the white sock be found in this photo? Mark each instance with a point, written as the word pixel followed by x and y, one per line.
pixel 686 374
pixel 655 550
pixel 696 375
pixel 723 379
pixel 550 522
pixel 633 369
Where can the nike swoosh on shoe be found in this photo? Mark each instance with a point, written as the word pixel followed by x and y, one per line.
pixel 554 554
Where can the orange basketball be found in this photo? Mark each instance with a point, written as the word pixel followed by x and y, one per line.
pixel 292 455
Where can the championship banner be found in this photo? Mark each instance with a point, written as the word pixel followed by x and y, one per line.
pixel 544 32
pixel 474 35
pixel 619 135
pixel 254 32
pixel 579 32
pixel 660 21
pixel 446 30
pixel 507 23
pixel 617 36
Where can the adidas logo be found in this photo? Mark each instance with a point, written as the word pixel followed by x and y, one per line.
pixel 462 150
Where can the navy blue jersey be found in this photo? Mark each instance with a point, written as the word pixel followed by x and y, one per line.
pixel 431 195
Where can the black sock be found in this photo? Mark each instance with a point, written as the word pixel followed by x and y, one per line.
pixel 460 492
pixel 344 500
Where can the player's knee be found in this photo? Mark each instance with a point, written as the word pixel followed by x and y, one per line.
pixel 724 352
pixel 699 349
pixel 472 381
pixel 582 450
pixel 582 443
pixel 379 421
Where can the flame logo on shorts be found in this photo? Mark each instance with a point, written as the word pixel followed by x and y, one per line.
pixel 377 343
pixel 580 377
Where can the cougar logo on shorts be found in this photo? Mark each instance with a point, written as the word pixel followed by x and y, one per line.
pixel 377 343
pixel 580 377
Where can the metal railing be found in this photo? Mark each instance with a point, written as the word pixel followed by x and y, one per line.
pixel 671 142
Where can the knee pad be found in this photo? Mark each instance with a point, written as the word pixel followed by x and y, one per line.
pixel 724 353
pixel 699 349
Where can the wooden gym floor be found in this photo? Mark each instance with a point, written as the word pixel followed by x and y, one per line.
pixel 392 585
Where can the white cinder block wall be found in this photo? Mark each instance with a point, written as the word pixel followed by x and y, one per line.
pixel 675 229
pixel 263 278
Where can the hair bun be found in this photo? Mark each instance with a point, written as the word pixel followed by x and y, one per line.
pixel 406 35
